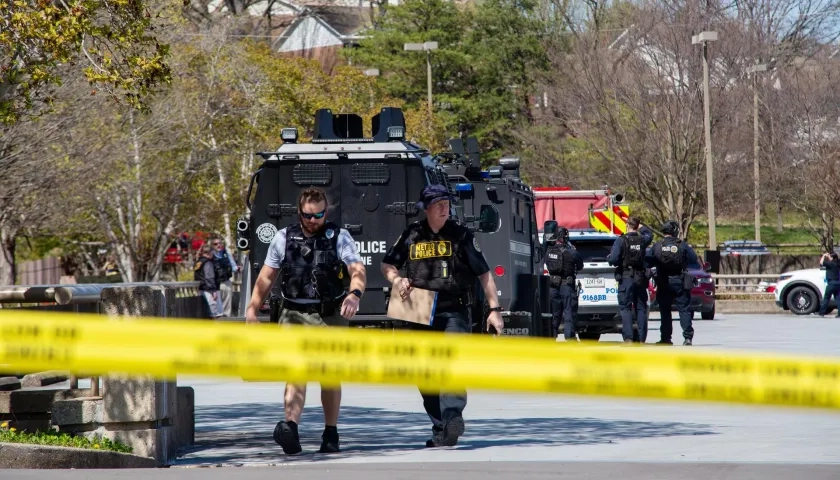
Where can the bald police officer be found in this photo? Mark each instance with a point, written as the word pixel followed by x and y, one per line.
pixel 671 257
pixel 443 256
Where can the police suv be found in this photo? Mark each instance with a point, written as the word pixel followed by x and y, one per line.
pixel 499 207
pixel 597 312
pixel 372 185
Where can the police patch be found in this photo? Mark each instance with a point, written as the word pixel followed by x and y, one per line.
pixel 422 250
pixel 266 232
pixel 330 233
pixel 475 244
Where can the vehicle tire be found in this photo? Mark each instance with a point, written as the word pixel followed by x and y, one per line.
pixel 803 300
pixel 708 315
pixel 589 336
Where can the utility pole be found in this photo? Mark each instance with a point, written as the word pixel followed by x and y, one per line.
pixel 426 47
pixel 704 38
pixel 756 179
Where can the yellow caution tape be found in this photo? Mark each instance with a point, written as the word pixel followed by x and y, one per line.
pixel 164 348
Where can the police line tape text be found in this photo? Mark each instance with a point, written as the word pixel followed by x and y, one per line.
pixel 164 348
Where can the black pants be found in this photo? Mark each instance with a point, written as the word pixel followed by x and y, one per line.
pixel 632 292
pixel 443 406
pixel 669 292
pixel 562 306
pixel 831 290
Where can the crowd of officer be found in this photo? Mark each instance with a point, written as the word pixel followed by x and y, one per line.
pixel 322 279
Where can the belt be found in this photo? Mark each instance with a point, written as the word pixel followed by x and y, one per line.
pixel 302 307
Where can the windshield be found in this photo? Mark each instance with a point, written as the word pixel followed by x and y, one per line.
pixel 593 250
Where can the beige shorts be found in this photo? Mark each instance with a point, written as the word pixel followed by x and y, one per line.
pixel 293 317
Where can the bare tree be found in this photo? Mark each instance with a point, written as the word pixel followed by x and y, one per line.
pixel 637 100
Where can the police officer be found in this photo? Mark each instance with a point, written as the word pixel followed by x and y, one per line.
pixel 205 273
pixel 628 256
pixel 308 256
pixel 442 256
pixel 829 261
pixel 562 261
pixel 671 258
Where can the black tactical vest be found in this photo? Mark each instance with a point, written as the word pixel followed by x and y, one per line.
pixel 311 267
pixel 198 269
pixel 560 260
pixel 224 270
pixel 670 257
pixel 433 259
pixel 634 254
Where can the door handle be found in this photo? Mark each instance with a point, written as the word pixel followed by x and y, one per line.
pixel 353 228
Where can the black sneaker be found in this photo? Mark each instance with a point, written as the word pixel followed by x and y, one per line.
pixel 286 435
pixel 329 443
pixel 687 342
pixel 664 342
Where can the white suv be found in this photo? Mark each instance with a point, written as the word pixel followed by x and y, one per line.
pixel 598 299
pixel 801 291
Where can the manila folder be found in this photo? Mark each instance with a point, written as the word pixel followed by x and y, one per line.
pixel 419 307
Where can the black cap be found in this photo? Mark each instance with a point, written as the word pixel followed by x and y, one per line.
pixel 432 194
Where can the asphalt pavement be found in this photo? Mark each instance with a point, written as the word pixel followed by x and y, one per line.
pixel 511 435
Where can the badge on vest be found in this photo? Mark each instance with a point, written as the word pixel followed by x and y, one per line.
pixel 672 248
pixel 330 233
pixel 420 251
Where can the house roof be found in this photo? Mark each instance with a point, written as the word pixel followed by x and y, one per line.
pixel 343 22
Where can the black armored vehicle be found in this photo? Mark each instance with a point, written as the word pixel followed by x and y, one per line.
pixel 513 247
pixel 372 185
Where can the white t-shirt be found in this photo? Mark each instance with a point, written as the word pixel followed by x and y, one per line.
pixel 347 252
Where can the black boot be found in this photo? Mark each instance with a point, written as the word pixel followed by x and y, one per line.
pixel 286 435
pixel 329 443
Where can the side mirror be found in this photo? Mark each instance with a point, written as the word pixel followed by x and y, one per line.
pixel 707 266
pixel 489 220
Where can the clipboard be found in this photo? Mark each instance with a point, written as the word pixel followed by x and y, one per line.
pixel 419 307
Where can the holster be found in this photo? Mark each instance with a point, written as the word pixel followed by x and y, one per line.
pixel 687 280
pixel 557 281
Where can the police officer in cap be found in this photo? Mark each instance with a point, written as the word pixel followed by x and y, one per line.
pixel 308 256
pixel 443 256
pixel 628 256
pixel 671 257
pixel 562 261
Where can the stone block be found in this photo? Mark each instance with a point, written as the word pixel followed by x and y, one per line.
pixel 41 379
pixel 137 399
pixel 147 301
pixel 158 443
pixel 185 418
pixel 8 384
pixel 77 411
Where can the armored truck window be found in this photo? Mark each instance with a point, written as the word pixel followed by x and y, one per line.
pixel 593 250
pixel 312 174
pixel 488 219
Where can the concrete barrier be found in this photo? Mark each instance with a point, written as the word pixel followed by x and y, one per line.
pixel 42 379
pixel 9 383
pixel 747 306
pixel 21 456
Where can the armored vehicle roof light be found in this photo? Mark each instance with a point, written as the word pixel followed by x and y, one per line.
pixel 396 132
pixel 289 135
pixel 495 171
pixel 463 187
pixel 509 163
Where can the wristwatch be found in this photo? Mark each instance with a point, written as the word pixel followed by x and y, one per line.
pixel 357 292
pixel 496 309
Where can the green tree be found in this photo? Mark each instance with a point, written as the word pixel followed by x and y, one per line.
pixel 482 71
pixel 110 38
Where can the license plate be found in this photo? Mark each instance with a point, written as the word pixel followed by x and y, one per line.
pixel 593 283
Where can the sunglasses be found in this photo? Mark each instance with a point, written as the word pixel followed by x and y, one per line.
pixel 310 216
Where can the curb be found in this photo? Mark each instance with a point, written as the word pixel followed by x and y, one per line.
pixel 24 456
pixel 7 384
pixel 748 306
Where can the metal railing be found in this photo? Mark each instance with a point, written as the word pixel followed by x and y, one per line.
pixel 744 283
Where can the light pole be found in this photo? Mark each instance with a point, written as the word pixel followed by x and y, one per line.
pixel 762 67
pixel 426 47
pixel 704 38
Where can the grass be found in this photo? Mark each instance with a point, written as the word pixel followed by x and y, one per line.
pixel 769 236
pixel 56 439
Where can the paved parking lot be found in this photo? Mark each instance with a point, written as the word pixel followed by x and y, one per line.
pixel 380 424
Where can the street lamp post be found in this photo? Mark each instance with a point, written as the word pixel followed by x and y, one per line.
pixel 757 184
pixel 704 38
pixel 426 47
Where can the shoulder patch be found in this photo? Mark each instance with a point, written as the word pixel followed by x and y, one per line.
pixel 330 233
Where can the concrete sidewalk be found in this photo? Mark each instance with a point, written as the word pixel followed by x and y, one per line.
pixel 463 471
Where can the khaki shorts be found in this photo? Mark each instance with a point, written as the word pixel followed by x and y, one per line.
pixel 293 317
